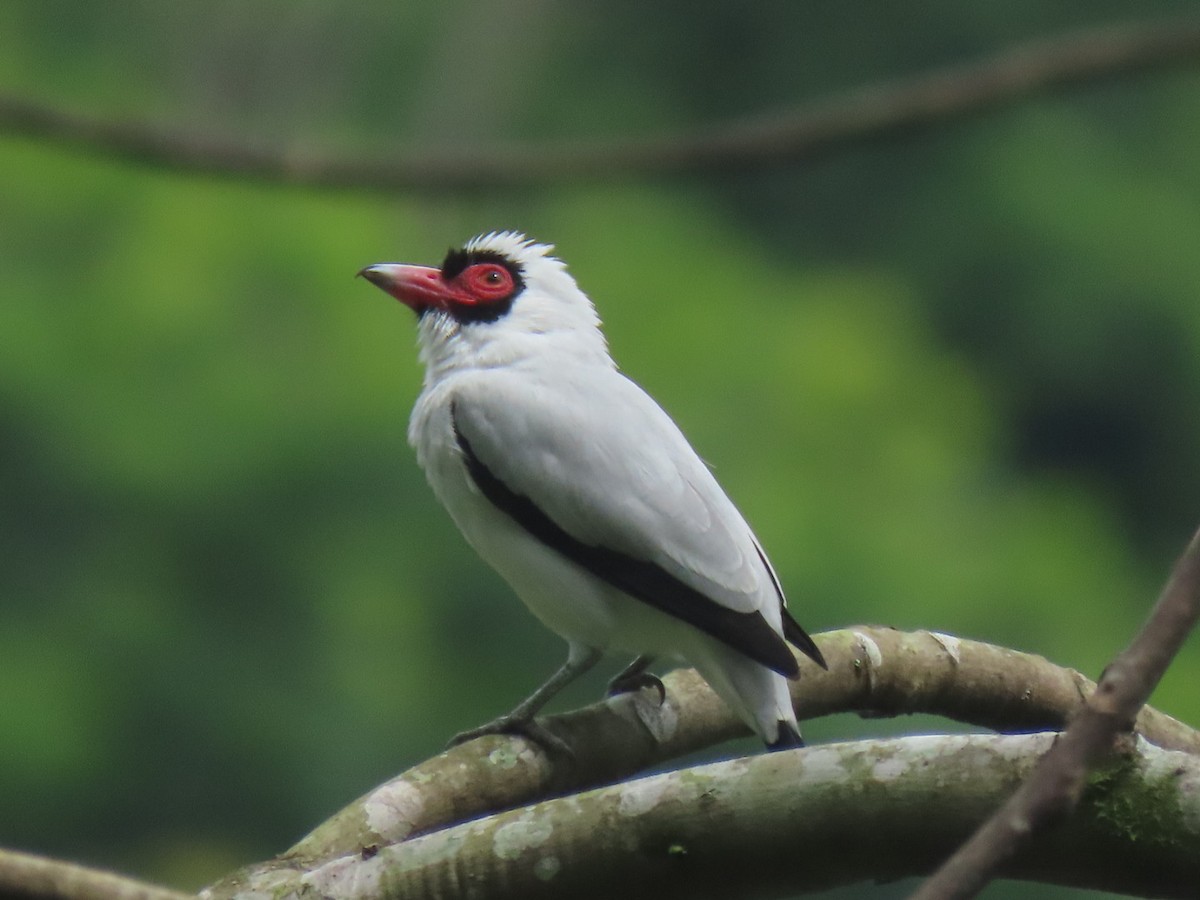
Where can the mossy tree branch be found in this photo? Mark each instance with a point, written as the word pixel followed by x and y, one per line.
pixel 791 823
pixel 872 670
pixel 24 876
pixel 876 671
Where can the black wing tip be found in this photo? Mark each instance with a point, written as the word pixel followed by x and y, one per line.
pixel 799 639
pixel 789 670
pixel 789 737
pixel 814 653
pixel 748 633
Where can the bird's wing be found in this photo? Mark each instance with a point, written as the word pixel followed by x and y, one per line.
pixel 595 469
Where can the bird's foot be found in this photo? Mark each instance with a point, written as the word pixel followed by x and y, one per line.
pixel 628 683
pixel 518 725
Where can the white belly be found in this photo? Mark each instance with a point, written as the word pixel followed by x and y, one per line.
pixel 569 600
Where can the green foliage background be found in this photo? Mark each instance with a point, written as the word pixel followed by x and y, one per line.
pixel 952 380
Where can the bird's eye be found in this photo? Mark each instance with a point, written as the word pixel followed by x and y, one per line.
pixel 488 281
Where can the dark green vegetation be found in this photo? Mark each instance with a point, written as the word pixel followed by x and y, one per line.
pixel 952 380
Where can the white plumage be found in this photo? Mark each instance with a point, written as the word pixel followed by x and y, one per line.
pixel 571 482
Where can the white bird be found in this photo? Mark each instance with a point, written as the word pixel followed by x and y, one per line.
pixel 571 482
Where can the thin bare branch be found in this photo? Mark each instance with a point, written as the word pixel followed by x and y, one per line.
pixel 868 114
pixel 1054 788
pixel 24 876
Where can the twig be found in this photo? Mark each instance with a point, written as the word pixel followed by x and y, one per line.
pixel 24 876
pixel 1056 784
pixel 867 114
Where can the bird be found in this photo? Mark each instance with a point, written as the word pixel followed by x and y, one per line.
pixel 571 482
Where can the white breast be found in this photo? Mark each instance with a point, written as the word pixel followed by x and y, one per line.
pixel 570 601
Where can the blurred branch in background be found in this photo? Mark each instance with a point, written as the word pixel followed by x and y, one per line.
pixel 867 114
pixel 29 877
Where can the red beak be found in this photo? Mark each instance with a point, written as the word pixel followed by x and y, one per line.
pixel 417 287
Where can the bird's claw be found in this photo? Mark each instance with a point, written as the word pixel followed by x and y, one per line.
pixel 523 727
pixel 629 683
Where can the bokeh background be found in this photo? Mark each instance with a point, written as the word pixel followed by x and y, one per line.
pixel 952 379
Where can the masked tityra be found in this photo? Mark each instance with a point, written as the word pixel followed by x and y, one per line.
pixel 581 492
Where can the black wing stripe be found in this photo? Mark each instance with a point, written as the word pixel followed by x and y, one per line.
pixel 747 633
pixel 799 639
pixel 795 635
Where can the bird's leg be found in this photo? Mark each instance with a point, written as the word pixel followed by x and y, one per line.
pixel 634 677
pixel 521 721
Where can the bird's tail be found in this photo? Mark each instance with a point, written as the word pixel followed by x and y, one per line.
pixel 758 695
pixel 789 737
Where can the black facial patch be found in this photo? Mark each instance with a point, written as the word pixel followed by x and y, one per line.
pixel 459 260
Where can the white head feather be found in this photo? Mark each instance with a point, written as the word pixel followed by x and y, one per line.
pixel 549 316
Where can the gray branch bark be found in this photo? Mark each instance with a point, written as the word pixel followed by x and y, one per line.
pixel 410 821
pixel 868 114
pixel 24 876
pixel 872 670
pixel 793 822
